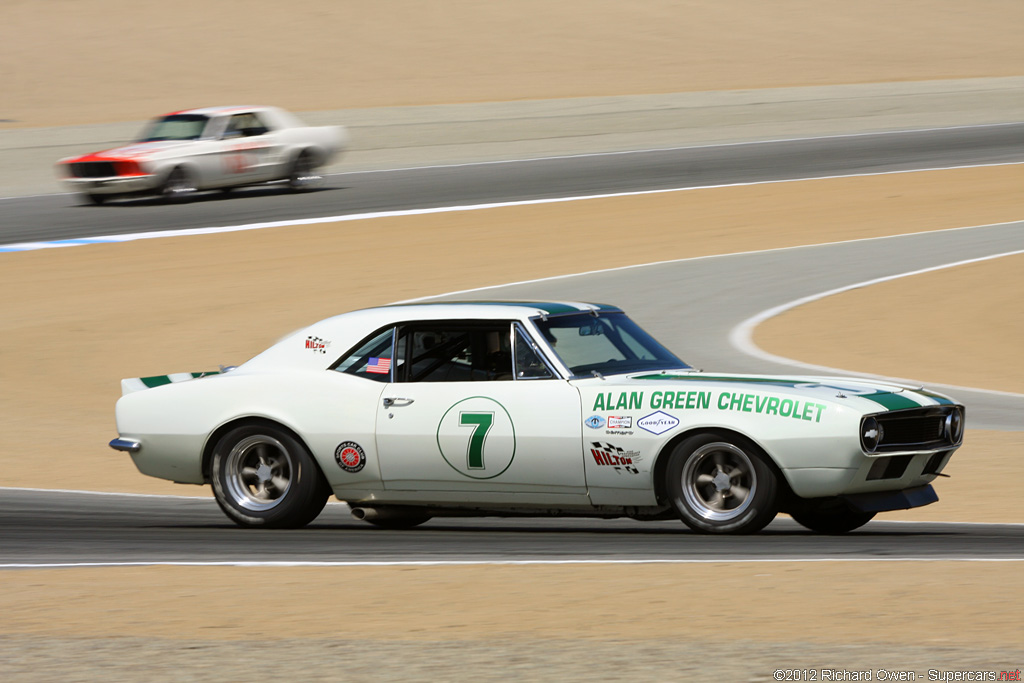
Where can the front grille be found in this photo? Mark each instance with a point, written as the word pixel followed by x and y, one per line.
pixel 910 430
pixel 93 169
pixel 915 429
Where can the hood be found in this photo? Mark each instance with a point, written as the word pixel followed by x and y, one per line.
pixel 136 151
pixel 689 389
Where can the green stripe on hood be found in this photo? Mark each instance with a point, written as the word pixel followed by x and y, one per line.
pixel 887 399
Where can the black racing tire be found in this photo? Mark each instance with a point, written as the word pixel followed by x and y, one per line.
pixel 721 485
pixel 302 176
pixel 179 186
pixel 834 520
pixel 97 199
pixel 263 477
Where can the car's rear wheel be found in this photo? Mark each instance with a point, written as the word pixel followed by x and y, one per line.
pixel 721 485
pixel 179 186
pixel 303 175
pixel 838 519
pixel 264 477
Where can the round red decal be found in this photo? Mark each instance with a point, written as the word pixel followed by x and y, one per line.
pixel 350 456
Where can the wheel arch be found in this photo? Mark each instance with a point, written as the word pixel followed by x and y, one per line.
pixel 192 169
pixel 246 421
pixel 315 151
pixel 661 463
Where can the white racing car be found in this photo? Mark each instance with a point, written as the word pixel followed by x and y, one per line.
pixel 211 148
pixel 409 412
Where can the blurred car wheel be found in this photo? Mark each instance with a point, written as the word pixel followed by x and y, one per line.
pixel 303 175
pixel 178 187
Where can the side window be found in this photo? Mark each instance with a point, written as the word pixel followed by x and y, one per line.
pixel 529 364
pixel 441 352
pixel 371 360
pixel 244 125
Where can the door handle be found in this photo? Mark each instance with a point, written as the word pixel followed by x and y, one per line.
pixel 396 401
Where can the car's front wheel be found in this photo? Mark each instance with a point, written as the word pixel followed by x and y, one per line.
pixel 721 485
pixel 832 520
pixel 264 477
pixel 303 175
pixel 179 186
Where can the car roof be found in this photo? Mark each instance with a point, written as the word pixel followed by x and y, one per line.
pixel 501 309
pixel 221 110
pixel 340 332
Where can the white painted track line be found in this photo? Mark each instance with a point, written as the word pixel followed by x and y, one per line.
pixel 492 563
pixel 742 336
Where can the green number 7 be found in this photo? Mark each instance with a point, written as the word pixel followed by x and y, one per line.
pixel 481 424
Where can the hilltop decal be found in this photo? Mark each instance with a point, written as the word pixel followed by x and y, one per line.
pixel 316 344
pixel 608 455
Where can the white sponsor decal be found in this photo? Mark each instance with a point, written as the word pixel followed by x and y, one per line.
pixel 657 423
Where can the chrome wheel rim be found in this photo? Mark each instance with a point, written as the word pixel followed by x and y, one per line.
pixel 719 482
pixel 258 473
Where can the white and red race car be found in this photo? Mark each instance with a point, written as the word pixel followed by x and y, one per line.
pixel 211 148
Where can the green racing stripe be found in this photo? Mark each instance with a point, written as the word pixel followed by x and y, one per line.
pixel 886 399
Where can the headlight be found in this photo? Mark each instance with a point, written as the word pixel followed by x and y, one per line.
pixel 955 426
pixel 870 434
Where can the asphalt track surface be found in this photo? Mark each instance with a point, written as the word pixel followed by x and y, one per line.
pixel 73 528
pixel 53 217
pixel 47 528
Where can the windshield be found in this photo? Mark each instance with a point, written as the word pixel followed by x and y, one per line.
pixel 176 127
pixel 609 343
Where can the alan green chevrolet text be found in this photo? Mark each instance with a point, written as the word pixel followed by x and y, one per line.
pixel 410 412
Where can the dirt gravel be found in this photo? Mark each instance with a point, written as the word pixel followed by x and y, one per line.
pixel 73 62
pixel 627 622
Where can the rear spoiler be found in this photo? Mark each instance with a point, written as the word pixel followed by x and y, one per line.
pixel 133 384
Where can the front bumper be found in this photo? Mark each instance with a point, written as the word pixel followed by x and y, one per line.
pixel 113 184
pixel 883 501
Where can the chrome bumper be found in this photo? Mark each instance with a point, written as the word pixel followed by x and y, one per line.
pixel 126 445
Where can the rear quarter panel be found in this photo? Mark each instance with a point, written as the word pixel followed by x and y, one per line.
pixel 174 422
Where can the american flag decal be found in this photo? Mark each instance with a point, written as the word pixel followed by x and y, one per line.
pixel 379 366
